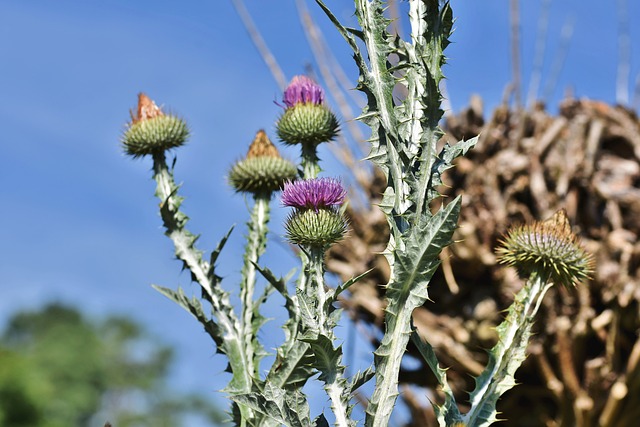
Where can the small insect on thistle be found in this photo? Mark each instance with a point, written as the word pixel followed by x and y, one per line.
pixel 262 171
pixel 151 131
pixel 147 109
pixel 548 248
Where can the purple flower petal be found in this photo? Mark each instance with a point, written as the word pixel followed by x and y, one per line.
pixel 303 90
pixel 318 193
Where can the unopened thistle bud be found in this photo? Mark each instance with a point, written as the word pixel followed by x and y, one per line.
pixel 306 120
pixel 547 248
pixel 263 170
pixel 151 130
pixel 316 229
pixel 317 221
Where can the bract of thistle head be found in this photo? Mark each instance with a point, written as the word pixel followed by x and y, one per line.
pixel 263 171
pixel 151 130
pixel 307 124
pixel 549 249
pixel 313 194
pixel 314 229
pixel 302 90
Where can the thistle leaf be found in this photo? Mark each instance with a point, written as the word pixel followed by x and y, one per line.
pixel 333 295
pixel 447 414
pixel 360 379
pixel 321 421
pixel 274 403
pixel 413 268
pixel 193 306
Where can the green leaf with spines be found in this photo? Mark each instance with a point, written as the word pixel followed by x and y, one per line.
pixel 193 306
pixel 408 289
pixel 292 367
pixel 447 414
pixel 332 297
pixel 420 256
pixel 444 162
pixel 276 404
pixel 360 379
pixel 213 258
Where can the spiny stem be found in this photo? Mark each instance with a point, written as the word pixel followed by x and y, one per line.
pixel 331 373
pixel 254 248
pixel 310 160
pixel 316 289
pixel 386 391
pixel 310 170
pixel 174 222
pixel 508 354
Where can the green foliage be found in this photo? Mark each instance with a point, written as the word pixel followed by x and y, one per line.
pixel 58 369
pixel 403 143
pixel 448 413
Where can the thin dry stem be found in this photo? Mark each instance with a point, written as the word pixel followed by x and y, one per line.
pixel 260 44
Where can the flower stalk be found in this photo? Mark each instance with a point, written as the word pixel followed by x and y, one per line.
pixel 151 132
pixel 226 330
pixel 315 225
pixel 545 253
pixel 256 244
pixel 261 173
pixel 508 354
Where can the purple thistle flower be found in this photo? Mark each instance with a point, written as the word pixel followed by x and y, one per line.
pixel 302 90
pixel 318 193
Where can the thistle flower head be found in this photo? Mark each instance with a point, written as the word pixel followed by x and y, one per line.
pixel 306 120
pixel 548 248
pixel 315 222
pixel 263 171
pixel 302 90
pixel 151 130
pixel 317 193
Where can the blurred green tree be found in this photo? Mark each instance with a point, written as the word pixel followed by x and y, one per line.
pixel 59 369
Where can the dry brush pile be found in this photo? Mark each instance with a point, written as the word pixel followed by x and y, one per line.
pixel 583 368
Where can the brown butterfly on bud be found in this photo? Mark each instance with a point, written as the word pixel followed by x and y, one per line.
pixel 147 109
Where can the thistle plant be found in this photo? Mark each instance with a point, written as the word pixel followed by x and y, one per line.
pixel 404 144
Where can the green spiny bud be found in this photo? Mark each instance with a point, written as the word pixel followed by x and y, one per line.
pixel 307 124
pixel 548 248
pixel 152 131
pixel 263 170
pixel 315 229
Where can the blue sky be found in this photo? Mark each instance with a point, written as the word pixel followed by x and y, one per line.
pixel 79 219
